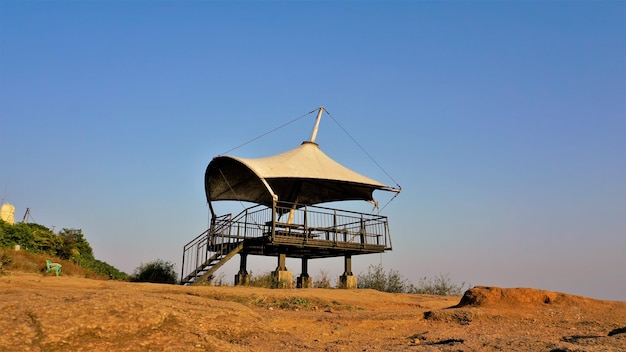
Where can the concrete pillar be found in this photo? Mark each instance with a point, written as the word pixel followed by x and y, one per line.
pixel 282 262
pixel 242 277
pixel 304 280
pixel 347 265
pixel 347 280
pixel 283 276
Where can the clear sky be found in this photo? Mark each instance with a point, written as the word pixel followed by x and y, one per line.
pixel 504 123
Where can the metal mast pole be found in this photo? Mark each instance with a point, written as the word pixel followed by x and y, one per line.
pixel 312 140
pixel 317 124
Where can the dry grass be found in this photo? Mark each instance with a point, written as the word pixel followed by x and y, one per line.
pixel 41 312
pixel 26 262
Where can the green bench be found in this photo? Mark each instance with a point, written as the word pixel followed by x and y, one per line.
pixel 50 266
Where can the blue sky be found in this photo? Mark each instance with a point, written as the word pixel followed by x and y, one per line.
pixel 504 123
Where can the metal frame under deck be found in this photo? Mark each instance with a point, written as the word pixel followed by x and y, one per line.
pixel 294 231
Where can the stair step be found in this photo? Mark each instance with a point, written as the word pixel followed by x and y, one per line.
pixel 206 269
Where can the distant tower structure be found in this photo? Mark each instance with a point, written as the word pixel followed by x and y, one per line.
pixel 25 218
pixel 7 213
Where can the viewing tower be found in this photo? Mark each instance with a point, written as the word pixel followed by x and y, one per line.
pixel 286 218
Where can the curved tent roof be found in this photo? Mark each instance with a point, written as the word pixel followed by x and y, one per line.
pixel 303 175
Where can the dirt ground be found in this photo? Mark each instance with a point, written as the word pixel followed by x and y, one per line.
pixel 48 313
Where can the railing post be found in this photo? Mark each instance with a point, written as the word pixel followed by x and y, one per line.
pixel 387 235
pixel 182 272
pixel 245 226
pixel 306 227
pixel 211 234
pixel 362 231
pixel 335 225
pixel 273 231
pixel 197 255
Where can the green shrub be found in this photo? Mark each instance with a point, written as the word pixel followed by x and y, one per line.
pixel 392 281
pixel 377 279
pixel 156 271
pixel 99 267
pixel 439 285
pixel 267 280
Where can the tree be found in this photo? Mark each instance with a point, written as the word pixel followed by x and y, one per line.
pixel 45 241
pixel 156 271
pixel 30 237
pixel 74 245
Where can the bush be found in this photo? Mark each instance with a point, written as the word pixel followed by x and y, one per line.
pixel 4 260
pixel 267 280
pixel 392 281
pixel 156 271
pixel 377 279
pixel 219 280
pixel 440 285
pixel 323 281
pixel 99 267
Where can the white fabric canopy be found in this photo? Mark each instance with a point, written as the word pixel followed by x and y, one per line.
pixel 303 175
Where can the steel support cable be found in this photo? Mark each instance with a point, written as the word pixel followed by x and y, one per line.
pixel 373 160
pixel 364 151
pixel 389 201
pixel 268 132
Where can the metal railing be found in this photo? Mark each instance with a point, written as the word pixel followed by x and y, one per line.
pixel 329 224
pixel 225 233
pixel 286 219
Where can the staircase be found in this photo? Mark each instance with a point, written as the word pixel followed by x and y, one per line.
pixel 205 271
pixel 210 250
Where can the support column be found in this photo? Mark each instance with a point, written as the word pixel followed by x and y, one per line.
pixel 242 277
pixel 348 280
pixel 304 280
pixel 282 276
